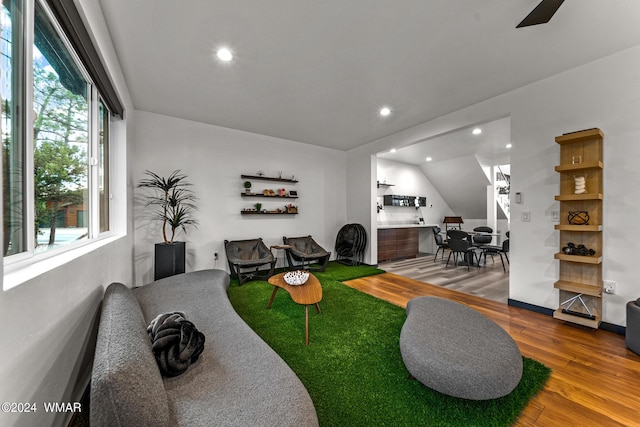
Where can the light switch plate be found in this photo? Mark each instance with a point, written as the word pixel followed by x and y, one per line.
pixel 555 215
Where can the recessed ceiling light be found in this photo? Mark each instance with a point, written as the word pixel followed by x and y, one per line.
pixel 385 111
pixel 508 146
pixel 393 150
pixel 224 54
pixel 428 159
pixel 476 131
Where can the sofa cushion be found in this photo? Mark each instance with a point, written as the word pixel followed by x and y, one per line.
pixel 126 385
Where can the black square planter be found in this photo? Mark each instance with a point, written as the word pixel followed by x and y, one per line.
pixel 169 259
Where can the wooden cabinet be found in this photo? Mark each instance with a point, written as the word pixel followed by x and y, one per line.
pixel 397 243
pixel 386 244
pixel 580 281
pixel 406 242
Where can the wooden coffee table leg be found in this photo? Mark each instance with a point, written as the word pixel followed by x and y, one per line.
pixel 273 295
pixel 306 324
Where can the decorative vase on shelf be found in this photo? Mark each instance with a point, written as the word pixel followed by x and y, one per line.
pixel 581 184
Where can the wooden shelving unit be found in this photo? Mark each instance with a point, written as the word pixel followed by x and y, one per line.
pixel 579 166
pixel 569 227
pixel 267 178
pixel 579 288
pixel 580 281
pixel 266 213
pixel 268 199
pixel 577 197
pixel 580 259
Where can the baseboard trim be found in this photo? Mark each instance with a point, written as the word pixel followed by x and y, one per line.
pixel 531 307
pixel 605 326
pixel 621 330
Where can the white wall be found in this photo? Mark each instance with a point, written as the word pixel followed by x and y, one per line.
pixel 214 157
pixel 600 94
pixel 409 180
pixel 361 198
pixel 50 321
pixel 48 337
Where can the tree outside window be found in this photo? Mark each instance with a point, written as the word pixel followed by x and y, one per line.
pixel 52 194
pixel 60 134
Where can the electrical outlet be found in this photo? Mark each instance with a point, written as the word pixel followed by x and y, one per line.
pixel 215 255
pixel 609 287
pixel 525 216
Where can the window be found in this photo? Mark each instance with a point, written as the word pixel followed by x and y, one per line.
pixel 60 139
pixel 13 150
pixel 103 166
pixel 55 159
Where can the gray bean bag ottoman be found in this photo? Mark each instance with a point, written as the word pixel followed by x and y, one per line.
pixel 457 351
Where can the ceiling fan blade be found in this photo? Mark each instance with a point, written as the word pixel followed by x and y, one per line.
pixel 542 13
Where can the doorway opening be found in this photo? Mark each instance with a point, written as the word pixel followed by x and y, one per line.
pixel 465 172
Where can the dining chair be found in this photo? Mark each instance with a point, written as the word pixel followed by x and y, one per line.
pixel 440 242
pixel 497 250
pixel 480 238
pixel 457 234
pixel 463 247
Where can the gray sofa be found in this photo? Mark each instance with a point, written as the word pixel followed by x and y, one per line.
pixel 238 380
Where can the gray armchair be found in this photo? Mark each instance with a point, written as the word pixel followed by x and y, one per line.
pixel 243 255
pixel 305 250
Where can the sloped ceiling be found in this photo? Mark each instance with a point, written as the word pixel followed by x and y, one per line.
pixel 462 184
pixel 456 166
pixel 318 71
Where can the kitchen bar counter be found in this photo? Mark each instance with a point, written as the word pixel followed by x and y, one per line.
pixel 404 225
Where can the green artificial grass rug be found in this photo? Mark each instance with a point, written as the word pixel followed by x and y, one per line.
pixel 352 367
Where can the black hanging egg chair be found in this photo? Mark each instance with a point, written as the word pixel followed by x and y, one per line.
pixel 350 244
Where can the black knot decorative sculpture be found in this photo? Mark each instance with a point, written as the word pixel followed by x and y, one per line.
pixel 578 218
pixel 582 250
pixel 176 343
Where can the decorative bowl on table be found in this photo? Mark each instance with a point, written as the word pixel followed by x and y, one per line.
pixel 297 277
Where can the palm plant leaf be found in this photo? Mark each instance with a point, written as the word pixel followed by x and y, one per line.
pixel 174 199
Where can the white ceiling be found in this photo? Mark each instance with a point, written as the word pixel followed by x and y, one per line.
pixel 489 147
pixel 318 71
pixel 456 169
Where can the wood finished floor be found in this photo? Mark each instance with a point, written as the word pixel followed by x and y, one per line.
pixel 489 281
pixel 595 379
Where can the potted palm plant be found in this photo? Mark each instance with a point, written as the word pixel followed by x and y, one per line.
pixel 172 203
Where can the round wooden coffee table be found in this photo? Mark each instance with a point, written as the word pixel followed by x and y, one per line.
pixel 306 294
